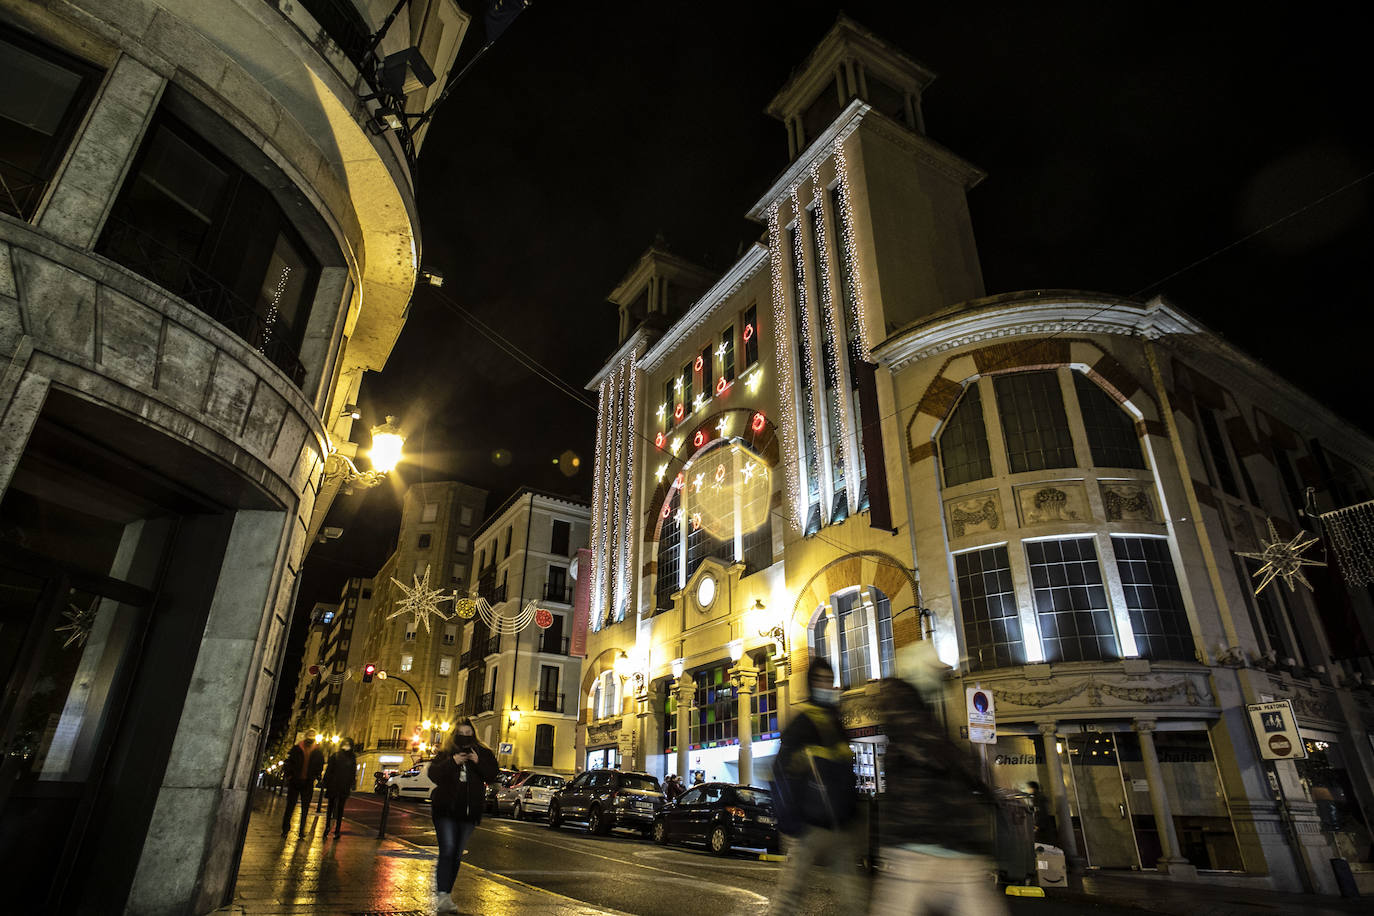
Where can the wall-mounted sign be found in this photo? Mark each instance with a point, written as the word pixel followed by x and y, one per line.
pixel 505 747
pixel 982 716
pixel 1276 730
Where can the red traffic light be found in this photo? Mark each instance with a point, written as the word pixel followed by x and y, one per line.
pixel 368 671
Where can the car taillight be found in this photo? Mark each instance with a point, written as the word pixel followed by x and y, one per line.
pixel 735 812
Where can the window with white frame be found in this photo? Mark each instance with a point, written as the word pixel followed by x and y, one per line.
pixel 987 603
pixel 430 512
pixel 440 700
pixel 450 634
pixel 1071 601
pixel 410 633
pixel 605 695
pixel 407 662
pixel 462 543
pixel 1153 599
pixel 854 633
pixel 445 665
pixel 402 697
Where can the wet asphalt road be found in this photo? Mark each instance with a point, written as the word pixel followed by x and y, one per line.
pixel 626 873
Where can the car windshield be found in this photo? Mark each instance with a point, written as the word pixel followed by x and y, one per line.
pixel 754 797
pixel 630 781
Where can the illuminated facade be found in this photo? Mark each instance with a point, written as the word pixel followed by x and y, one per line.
pixel 207 237
pixel 1050 486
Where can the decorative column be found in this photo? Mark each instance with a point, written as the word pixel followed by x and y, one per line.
pixel 686 693
pixel 1058 791
pixel 643 716
pixel 745 677
pixel 1171 862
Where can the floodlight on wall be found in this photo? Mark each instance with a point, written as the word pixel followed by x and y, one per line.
pixel 352 412
pixel 677 667
pixel 431 276
pixel 384 120
pixel 385 453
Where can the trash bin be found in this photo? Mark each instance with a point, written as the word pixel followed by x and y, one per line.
pixel 1015 838
pixel 1049 866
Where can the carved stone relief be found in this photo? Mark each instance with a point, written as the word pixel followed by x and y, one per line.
pixel 1046 503
pixel 1127 502
pixel 1174 690
pixel 974 514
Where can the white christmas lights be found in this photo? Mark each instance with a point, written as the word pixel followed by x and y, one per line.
pixel 598 532
pixel 845 218
pixel 629 481
pixel 782 360
pixel 723 427
pixel 676 445
pixel 804 344
pixel 662 469
pixel 839 403
pixel 269 323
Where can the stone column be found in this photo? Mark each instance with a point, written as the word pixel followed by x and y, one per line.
pixel 1171 862
pixel 1059 792
pixel 745 677
pixel 686 693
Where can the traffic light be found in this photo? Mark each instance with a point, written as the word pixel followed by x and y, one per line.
pixel 368 670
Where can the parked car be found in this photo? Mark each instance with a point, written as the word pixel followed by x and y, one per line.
pixel 606 799
pixel 412 783
pixel 503 779
pixel 528 795
pixel 720 815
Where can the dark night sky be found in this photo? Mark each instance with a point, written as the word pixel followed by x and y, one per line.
pixel 1122 142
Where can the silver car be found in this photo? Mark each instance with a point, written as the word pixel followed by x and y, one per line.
pixel 529 795
pixel 412 783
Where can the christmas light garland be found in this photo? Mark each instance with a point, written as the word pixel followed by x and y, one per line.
pixel 845 218
pixel 630 479
pixel 269 323
pixel 783 361
pixel 840 404
pixel 804 344
pixel 598 532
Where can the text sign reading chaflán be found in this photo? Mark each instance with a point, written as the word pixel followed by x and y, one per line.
pixel 982 716
pixel 1276 730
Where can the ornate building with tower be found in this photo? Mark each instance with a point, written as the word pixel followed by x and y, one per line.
pixel 208 234
pixel 843 445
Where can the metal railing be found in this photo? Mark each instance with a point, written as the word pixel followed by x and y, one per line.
pixel 393 744
pixel 487 701
pixel 465 659
pixel 554 591
pixel 20 191
pixel 554 645
pixel 140 252
pixel 492 645
pixel 548 702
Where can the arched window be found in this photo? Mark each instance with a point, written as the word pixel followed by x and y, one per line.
pixel 605 696
pixel 854 633
pixel 1111 430
pixel 669 555
pixel 964 441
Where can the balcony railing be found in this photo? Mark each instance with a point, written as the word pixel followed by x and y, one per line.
pixel 554 645
pixel 465 659
pixel 20 191
pixel 492 645
pixel 145 255
pixel 548 702
pixel 558 591
pixel 393 744
pixel 487 701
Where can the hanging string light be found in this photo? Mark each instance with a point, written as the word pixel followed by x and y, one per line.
pixel 598 533
pixel 630 480
pixel 804 348
pixel 839 403
pixel 782 359
pixel 858 324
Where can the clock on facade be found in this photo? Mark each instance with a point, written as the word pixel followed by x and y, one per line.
pixel 706 592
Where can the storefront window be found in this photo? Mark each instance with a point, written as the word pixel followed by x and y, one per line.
pixel 716 720
pixel 764 703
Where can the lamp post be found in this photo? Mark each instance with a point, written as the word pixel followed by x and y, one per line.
pixel 385 454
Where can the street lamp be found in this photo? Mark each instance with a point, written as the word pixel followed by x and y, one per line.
pixel 770 629
pixel 385 453
pixel 515 715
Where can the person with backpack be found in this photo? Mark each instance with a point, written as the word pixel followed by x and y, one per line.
pixel 815 798
pixel 936 829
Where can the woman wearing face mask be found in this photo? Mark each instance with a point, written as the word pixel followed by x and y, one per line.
pixel 338 783
pixel 459 774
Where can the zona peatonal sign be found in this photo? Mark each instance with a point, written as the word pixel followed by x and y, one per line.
pixel 1276 730
pixel 982 716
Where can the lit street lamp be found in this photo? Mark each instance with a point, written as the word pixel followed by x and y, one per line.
pixel 385 454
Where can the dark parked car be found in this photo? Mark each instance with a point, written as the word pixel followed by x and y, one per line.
pixel 720 815
pixel 606 799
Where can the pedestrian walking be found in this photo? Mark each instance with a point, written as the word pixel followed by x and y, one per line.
pixel 936 830
pixel 304 764
pixel 673 788
pixel 339 778
pixel 816 800
pixel 459 774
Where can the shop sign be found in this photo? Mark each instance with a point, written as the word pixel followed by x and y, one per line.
pixel 982 716
pixel 1276 730
pixel 389 758
pixel 505 747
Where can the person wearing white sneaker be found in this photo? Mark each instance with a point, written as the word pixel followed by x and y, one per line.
pixel 460 774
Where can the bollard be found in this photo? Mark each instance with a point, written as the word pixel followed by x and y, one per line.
pixel 386 809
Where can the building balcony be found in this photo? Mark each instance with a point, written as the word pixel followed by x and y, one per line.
pixel 465 659
pixel 555 645
pixel 20 191
pixel 558 592
pixel 393 744
pixel 548 702
pixel 486 702
pixel 492 646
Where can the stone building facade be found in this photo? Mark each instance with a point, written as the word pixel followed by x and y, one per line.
pixel 844 445
pixel 207 237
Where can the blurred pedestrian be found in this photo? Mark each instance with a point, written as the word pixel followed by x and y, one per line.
pixel 459 774
pixel 815 799
pixel 936 829
pixel 304 764
pixel 339 778
pixel 673 787
pixel 1044 816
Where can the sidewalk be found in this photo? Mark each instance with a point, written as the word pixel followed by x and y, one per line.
pixel 360 875
pixel 1156 894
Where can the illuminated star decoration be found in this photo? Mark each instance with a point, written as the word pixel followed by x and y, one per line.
pixel 1283 559
pixel 79 623
pixel 421 600
pixel 749 470
pixel 724 426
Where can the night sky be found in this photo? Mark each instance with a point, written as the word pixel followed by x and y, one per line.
pixel 1123 143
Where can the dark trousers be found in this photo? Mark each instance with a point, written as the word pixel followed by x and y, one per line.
pixel 298 792
pixel 334 813
pixel 453 835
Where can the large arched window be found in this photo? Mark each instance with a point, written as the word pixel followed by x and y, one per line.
pixel 605 700
pixel 854 633
pixel 669 555
pixel 964 441
pixel 1112 437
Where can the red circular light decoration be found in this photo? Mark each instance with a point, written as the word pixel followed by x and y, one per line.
pixel 677 412
pixel 658 440
pixel 698 364
pixel 720 385
pixel 699 439
pixel 678 481
pixel 543 619
pixel 667 509
pixel 758 423
pixel 748 332
pixel 720 473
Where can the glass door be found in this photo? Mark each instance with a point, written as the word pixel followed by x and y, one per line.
pixel 1104 812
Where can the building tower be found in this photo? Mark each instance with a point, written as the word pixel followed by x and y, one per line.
pixel 208 233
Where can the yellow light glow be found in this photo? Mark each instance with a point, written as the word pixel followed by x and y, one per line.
pixel 427 724
pixel 754 380
pixel 387 442
pixel 515 715
pixel 445 726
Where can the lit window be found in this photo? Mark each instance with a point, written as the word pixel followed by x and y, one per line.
pixel 862 618
pixel 430 512
pixel 407 662
pixel 445 665
pixel 1071 601
pixel 1153 598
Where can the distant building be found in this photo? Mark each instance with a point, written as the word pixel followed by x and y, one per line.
pixel 438 523
pixel 307 711
pixel 844 446
pixel 524 551
pixel 327 685
pixel 208 235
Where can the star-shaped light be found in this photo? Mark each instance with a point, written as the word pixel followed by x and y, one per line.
pixel 662 469
pixel 698 402
pixel 753 383
pixel 720 351
pixel 697 481
pixel 662 409
pixel 677 383
pixel 421 600
pixel 676 444
pixel 1283 559
pixel 724 427
pixel 79 623
pixel 749 470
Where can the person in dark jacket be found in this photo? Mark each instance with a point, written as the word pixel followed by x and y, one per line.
pixel 339 778
pixel 936 830
pixel 673 788
pixel 815 797
pixel 460 774
pixel 304 764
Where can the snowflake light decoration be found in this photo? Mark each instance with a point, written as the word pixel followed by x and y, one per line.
pixel 421 600
pixel 79 624
pixel 1283 559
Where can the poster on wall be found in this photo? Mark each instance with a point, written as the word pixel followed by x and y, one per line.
pixel 982 716
pixel 582 602
pixel 1276 730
